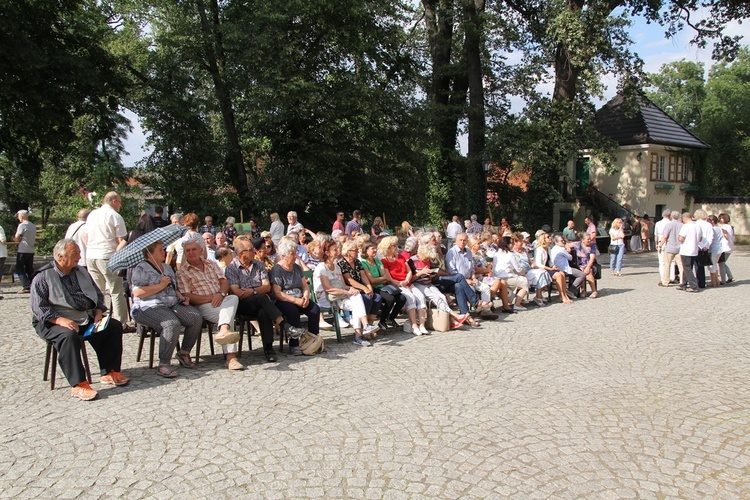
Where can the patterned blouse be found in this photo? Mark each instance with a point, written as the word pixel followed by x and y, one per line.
pixel 353 272
pixel 231 233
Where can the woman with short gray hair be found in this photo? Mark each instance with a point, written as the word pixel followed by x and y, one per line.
pixel 292 294
pixel 230 231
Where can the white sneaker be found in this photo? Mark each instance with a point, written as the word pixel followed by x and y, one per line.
pixel 410 329
pixel 539 302
pixel 519 308
pixel 370 329
pixel 343 323
pixel 423 330
pixel 361 342
pixel 325 325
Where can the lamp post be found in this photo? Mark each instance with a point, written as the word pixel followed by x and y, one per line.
pixel 486 170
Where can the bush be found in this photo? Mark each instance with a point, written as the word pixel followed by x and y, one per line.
pixel 47 237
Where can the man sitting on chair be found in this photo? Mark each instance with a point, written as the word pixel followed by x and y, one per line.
pixel 248 280
pixel 203 282
pixel 64 301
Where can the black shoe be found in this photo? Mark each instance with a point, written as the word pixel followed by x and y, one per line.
pixel 507 311
pixel 392 324
pixel 271 356
pixel 382 325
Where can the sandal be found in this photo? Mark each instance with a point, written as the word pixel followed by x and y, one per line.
pixel 481 306
pixel 472 322
pixel 166 371
pixel 184 359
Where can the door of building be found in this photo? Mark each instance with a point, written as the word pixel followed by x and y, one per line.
pixel 582 175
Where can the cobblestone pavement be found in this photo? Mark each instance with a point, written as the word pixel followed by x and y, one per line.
pixel 642 392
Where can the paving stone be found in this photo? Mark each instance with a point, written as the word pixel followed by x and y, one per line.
pixel 551 402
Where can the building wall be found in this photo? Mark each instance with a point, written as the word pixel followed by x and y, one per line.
pixel 631 185
pixel 739 214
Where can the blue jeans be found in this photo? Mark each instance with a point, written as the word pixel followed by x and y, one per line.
pixel 456 283
pixel 615 261
pixel 372 304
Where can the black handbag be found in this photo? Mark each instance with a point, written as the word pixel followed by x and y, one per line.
pixel 613 249
pixel 393 290
pixel 704 258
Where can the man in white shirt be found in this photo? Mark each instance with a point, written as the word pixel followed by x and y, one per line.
pixel 294 224
pixel 707 239
pixel 690 238
pixel 105 234
pixel 76 231
pixel 452 231
pixel 560 255
pixel 658 233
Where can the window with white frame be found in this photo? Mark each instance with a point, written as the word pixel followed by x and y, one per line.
pixel 662 168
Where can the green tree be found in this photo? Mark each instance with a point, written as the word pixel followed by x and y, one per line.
pixel 679 89
pixel 726 127
pixel 54 70
pixel 321 95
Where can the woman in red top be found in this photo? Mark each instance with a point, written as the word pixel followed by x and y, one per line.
pixel 401 277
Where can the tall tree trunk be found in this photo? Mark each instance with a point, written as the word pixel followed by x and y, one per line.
pixel 214 51
pixel 439 21
pixel 566 75
pixel 476 197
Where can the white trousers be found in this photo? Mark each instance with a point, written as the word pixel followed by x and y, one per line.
pixel 222 315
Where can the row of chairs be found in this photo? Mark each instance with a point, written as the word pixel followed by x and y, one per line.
pixel 245 325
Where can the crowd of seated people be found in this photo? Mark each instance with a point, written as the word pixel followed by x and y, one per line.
pixel 363 275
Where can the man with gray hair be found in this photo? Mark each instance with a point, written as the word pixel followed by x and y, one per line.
pixel 203 282
pixel 475 227
pixel 669 249
pixel 249 281
pixel 106 234
pixel 76 231
pixel 658 231
pixel 294 224
pixel 65 302
pixel 26 238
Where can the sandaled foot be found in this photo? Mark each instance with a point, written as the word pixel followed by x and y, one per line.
pixel 166 371
pixel 472 322
pixel 184 359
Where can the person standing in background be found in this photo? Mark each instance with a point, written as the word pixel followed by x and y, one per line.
pixel 106 234
pixel 159 217
pixel 76 231
pixel 3 257
pixel 26 238
pixel 276 229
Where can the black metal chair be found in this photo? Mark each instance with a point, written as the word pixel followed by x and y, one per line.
pixel 51 358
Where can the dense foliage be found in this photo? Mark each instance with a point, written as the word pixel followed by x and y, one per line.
pixel 716 109
pixel 316 105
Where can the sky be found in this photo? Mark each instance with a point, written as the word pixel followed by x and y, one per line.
pixel 648 42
